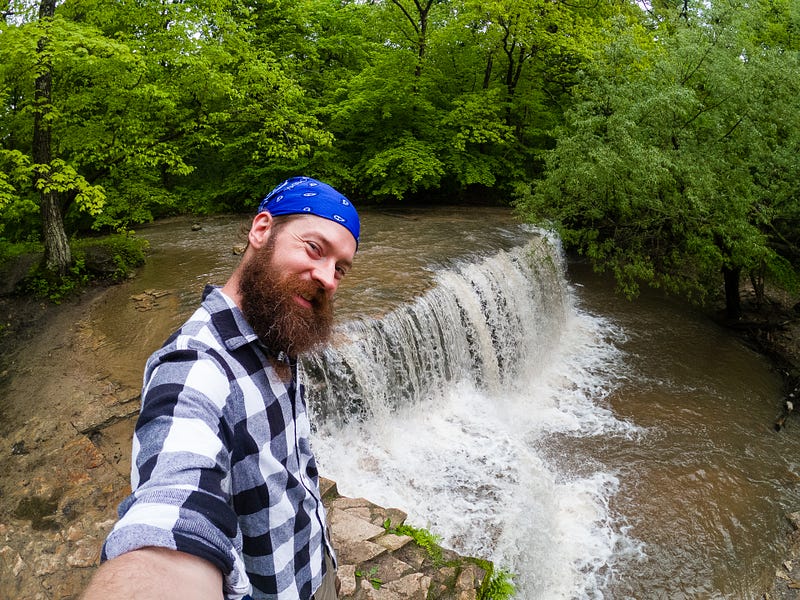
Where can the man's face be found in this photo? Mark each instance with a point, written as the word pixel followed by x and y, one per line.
pixel 287 286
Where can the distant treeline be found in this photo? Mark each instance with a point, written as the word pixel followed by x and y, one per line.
pixel 659 139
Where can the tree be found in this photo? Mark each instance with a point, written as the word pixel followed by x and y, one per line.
pixel 655 175
pixel 57 254
pixel 31 55
pixel 416 15
pixel 108 107
pixel 439 108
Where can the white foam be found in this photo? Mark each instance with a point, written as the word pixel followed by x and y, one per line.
pixel 467 462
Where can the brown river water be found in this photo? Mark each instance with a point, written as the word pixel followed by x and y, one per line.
pixel 594 447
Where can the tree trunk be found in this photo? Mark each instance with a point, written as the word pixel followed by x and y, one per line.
pixel 487 74
pixel 57 255
pixel 757 277
pixel 419 23
pixel 733 305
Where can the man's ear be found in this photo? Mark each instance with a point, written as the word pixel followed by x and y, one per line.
pixel 260 230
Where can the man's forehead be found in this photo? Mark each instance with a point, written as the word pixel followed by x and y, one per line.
pixel 330 231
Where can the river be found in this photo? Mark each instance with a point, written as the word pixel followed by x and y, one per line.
pixel 520 409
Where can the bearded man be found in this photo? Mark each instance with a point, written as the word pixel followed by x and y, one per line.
pixel 226 500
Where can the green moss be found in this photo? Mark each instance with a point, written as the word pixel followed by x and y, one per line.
pixel 422 537
pixel 111 257
pixel 12 250
pixel 496 585
pixel 40 511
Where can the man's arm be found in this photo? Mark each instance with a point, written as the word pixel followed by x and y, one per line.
pixel 155 574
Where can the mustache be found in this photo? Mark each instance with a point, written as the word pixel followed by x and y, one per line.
pixel 311 291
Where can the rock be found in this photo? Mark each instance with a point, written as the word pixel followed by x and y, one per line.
pixel 388 568
pixel 393 542
pixel 75 532
pixel 18 448
pixel 327 488
pixel 85 554
pixel 467 579
pixel 347 579
pixel 353 529
pixel 377 564
pixel 45 564
pixel 353 552
pixel 412 587
pixel 9 557
pixel 15 270
pixel 19 564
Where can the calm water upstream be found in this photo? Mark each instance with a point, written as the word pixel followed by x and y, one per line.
pixel 519 409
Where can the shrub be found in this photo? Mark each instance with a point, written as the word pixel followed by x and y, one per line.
pixel 110 258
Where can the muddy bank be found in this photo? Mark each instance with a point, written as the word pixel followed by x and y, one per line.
pixel 774 329
pixel 58 491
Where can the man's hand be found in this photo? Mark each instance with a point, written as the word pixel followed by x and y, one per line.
pixel 155 574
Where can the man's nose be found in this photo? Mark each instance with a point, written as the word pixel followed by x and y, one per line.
pixel 325 274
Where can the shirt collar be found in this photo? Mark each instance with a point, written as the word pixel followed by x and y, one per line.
pixel 233 328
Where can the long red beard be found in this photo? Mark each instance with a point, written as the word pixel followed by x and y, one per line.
pixel 268 303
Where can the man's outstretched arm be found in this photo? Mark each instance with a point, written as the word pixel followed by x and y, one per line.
pixel 155 574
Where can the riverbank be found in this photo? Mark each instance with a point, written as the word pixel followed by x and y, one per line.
pixel 774 330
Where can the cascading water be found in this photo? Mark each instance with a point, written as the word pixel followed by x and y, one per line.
pixel 479 322
pixel 439 408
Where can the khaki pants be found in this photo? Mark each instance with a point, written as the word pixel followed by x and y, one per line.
pixel 329 590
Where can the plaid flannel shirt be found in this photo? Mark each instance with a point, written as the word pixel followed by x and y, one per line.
pixel 222 464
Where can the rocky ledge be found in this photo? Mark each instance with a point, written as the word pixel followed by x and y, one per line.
pixel 50 544
pixel 377 563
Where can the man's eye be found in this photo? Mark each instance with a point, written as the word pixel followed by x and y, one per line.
pixel 341 272
pixel 313 247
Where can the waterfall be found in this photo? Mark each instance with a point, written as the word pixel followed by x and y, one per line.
pixel 443 408
pixel 479 322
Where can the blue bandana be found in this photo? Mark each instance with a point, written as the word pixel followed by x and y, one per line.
pixel 299 195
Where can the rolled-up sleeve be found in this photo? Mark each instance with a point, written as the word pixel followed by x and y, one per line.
pixel 181 471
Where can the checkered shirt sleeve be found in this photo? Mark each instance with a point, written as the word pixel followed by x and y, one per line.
pixel 222 464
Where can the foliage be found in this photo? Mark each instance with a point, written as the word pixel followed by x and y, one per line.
pixel 11 250
pixel 370 576
pixel 118 255
pixel 661 142
pixel 193 107
pixel 46 285
pixel 498 586
pixel 142 94
pixel 112 258
pixel 657 174
pixel 422 537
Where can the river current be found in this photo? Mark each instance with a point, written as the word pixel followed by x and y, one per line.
pixel 521 410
